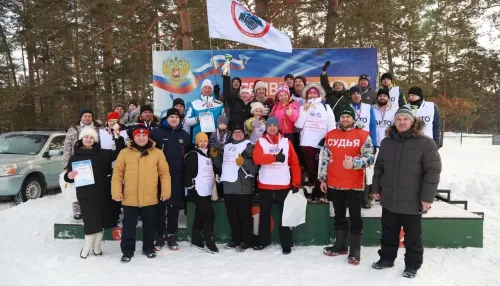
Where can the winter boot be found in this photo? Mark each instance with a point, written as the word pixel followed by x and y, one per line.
pixel 77 213
pixel 160 242
pixel 354 249
pixel 172 243
pixel 149 254
pixel 196 240
pixel 241 247
pixel 410 272
pixel 126 258
pixel 88 244
pixel 382 264
pixel 340 246
pixel 208 237
pixel 97 243
pixel 230 245
pixel 286 250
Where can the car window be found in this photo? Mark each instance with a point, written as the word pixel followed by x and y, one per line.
pixel 25 144
pixel 57 143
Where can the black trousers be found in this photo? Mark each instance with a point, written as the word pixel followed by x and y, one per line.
pixel 172 223
pixel 412 227
pixel 130 215
pixel 204 215
pixel 239 214
pixel 267 197
pixel 352 200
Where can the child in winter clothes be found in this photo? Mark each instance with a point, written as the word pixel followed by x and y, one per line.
pixel 222 135
pixel 256 125
pixel 199 181
pixel 93 198
pixel 286 110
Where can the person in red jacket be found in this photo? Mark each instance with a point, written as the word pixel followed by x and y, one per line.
pixel 346 153
pixel 279 172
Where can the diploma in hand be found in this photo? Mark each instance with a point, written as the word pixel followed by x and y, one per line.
pixel 85 175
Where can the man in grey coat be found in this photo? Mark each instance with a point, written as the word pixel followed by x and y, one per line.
pixel 406 178
pixel 237 171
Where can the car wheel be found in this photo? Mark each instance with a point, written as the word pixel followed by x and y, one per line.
pixel 30 190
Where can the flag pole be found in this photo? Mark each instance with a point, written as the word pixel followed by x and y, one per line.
pixel 213 61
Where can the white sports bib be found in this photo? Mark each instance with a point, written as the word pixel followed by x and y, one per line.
pixel 384 120
pixel 275 173
pixel 426 113
pixel 229 167
pixel 204 181
pixel 363 115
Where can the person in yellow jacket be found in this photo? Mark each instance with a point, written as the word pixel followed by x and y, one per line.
pixel 138 167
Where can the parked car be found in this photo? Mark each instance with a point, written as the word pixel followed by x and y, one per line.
pixel 30 163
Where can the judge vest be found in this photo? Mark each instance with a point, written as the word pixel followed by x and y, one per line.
pixel 204 181
pixel 315 125
pixel 229 167
pixel 384 120
pixel 426 113
pixel 363 115
pixel 394 95
pixel 276 173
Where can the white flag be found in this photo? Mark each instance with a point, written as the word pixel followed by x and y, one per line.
pixel 230 20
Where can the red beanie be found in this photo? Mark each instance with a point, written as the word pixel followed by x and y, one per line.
pixel 140 129
pixel 113 115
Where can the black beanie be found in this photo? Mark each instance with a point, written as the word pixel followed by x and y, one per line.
pixel 289 76
pixel 85 110
pixel 416 91
pixel 146 108
pixel 179 101
pixel 383 91
pixel 356 88
pixel 386 75
pixel 301 77
pixel 173 111
pixel 133 101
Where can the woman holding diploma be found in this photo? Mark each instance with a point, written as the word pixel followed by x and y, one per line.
pixel 89 168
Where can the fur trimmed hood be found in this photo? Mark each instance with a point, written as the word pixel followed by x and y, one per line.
pixel 322 92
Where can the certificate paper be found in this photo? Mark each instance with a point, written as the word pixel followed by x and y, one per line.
pixel 207 123
pixel 85 174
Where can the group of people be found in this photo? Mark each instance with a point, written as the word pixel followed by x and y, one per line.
pixel 339 145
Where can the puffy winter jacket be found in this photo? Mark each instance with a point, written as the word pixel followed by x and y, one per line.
pixel 287 123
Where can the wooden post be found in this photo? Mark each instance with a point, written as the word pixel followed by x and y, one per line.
pixel 187 43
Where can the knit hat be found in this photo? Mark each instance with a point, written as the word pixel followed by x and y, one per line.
pixel 302 78
pixel 222 120
pixel 416 91
pixel 386 75
pixel 259 84
pixel 383 91
pixel 347 109
pixel 146 108
pixel 172 111
pixel 405 111
pixel 282 87
pixel 289 76
pixel 207 82
pixel 140 129
pixel 112 115
pixel 273 120
pixel 199 137
pixel 119 105
pixel 246 89
pixel 256 105
pixel 88 131
pixel 237 127
pixel 85 110
pixel 364 76
pixel 355 88
pixel 133 101
pixel 179 101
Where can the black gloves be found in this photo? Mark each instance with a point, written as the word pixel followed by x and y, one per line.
pixel 216 89
pixel 295 190
pixel 327 64
pixel 280 157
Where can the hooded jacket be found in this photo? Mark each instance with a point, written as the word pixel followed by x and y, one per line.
pixel 287 123
pixel 407 170
pixel 336 99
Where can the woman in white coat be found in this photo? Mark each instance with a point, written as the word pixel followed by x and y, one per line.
pixel 315 120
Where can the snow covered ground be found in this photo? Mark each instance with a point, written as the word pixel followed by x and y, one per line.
pixel 31 256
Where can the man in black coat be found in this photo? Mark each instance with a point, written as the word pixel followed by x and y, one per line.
pixel 406 178
pixel 338 96
pixel 171 138
pixel 238 103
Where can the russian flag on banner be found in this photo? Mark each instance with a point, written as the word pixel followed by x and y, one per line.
pixel 230 20
pixel 194 76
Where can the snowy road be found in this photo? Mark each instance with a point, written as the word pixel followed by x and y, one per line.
pixel 30 255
